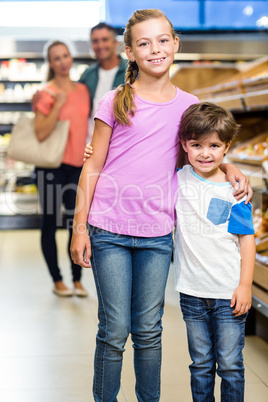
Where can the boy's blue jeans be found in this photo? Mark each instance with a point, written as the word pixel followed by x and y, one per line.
pixel 130 275
pixel 215 336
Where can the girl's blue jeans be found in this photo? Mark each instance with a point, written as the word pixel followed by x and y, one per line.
pixel 215 340
pixel 130 275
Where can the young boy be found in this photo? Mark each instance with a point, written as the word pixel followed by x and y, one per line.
pixel 214 255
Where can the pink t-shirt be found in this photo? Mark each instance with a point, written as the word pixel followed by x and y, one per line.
pixel 136 192
pixel 76 110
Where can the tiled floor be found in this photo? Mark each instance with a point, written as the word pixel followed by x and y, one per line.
pixel 47 343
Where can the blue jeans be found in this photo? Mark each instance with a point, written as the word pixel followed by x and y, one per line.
pixel 215 335
pixel 130 275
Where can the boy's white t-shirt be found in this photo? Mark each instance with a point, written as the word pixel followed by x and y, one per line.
pixel 209 219
pixel 105 84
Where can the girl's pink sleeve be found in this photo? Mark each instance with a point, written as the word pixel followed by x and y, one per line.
pixel 105 109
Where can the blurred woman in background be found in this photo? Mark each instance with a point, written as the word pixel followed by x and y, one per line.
pixel 61 99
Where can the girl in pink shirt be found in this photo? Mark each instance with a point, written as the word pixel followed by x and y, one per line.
pixel 127 194
pixel 62 99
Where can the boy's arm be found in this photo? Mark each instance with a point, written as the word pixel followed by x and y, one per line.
pixel 234 175
pixel 80 244
pixel 242 295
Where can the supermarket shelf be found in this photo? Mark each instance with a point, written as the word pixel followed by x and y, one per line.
pixel 12 203
pixel 25 221
pixel 20 81
pixel 243 101
pixel 19 211
pixel 12 222
pixel 5 128
pixel 250 170
pixel 260 306
pixel 22 211
pixel 16 106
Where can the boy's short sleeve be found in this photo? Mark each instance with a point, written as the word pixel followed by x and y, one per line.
pixel 241 219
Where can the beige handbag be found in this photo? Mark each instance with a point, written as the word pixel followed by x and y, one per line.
pixel 25 147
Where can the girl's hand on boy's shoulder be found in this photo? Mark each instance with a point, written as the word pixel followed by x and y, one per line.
pixel 242 187
pixel 241 300
pixel 88 152
pixel 239 182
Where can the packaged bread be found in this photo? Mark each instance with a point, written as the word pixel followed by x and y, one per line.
pixel 260 222
pixel 252 151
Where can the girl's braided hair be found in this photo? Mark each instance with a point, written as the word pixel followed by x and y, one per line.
pixel 124 104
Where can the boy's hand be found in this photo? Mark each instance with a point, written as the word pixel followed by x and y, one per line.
pixel 241 299
pixel 88 152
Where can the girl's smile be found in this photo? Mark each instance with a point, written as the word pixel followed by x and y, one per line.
pixel 153 45
pixel 155 61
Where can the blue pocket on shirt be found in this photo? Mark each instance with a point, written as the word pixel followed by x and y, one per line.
pixel 218 211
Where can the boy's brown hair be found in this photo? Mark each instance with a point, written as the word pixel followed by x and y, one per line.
pixel 206 118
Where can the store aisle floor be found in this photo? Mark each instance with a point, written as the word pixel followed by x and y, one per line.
pixel 47 343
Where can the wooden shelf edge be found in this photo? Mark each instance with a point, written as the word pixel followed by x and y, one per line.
pixel 260 300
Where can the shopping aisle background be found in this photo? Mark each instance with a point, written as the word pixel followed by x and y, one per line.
pixel 47 343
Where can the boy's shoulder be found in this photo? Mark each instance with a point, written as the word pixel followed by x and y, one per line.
pixel 187 177
pixel 184 170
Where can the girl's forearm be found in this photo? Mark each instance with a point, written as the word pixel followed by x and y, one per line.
pixel 84 196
